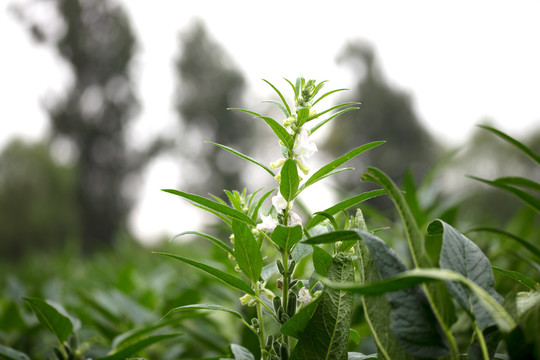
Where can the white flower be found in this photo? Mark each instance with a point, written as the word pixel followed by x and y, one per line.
pixel 279 202
pixel 303 148
pixel 304 296
pixel 294 219
pixel 268 223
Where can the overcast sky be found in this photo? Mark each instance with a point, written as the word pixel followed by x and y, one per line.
pixel 461 61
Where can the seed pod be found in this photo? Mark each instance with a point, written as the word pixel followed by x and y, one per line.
pixel 269 342
pixel 277 347
pixel 255 324
pixel 277 303
pixel 293 283
pixel 284 352
pixel 291 306
pixel 292 265
pixel 280 267
pixel 58 354
pixel 284 317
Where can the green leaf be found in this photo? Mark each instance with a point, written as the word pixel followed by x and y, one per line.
pixel 330 218
pixel 327 333
pixel 295 89
pixel 212 205
pixel 289 180
pixel 286 237
pixel 321 261
pixel 204 307
pixel 223 276
pixel 215 240
pixel 280 105
pixel 461 255
pixel 241 353
pixel 519 277
pixel 535 157
pixel 129 337
pixel 136 347
pixel 255 211
pixel 413 321
pixel 415 237
pixel 288 113
pixel 527 198
pixel 354 336
pixel 533 249
pixel 415 277
pixel 245 157
pixel 519 181
pixel 246 251
pixel 296 325
pixel 52 317
pixel 333 165
pixel 7 353
pixel 302 116
pixel 276 127
pixel 332 237
pixel 326 94
pixel 343 205
pixel 319 125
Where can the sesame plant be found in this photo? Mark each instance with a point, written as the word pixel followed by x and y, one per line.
pixel 411 307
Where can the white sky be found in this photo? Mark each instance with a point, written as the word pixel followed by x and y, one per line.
pixel 461 61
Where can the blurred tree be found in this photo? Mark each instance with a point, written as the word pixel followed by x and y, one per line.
pixel 209 83
pixel 37 201
pixel 385 114
pixel 98 43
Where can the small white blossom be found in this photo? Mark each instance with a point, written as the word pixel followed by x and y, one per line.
pixel 303 148
pixel 294 219
pixel 304 296
pixel 268 223
pixel 279 202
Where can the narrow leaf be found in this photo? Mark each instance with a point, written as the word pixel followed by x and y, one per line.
pixel 136 347
pixel 255 211
pixel 461 255
pixel 286 237
pixel 533 249
pixel 280 96
pixel 522 195
pixel 343 205
pixel 338 162
pixel 245 157
pixel 215 240
pixel 279 130
pixel 223 276
pixel 332 237
pixel 246 251
pixel 418 276
pixel 52 317
pixel 327 94
pixel 327 333
pixel 519 277
pixel 415 238
pixel 204 307
pixel 319 125
pixel 293 87
pixel 535 157
pixel 212 205
pixel 7 353
pixel 519 181
pixel 280 105
pixel 289 180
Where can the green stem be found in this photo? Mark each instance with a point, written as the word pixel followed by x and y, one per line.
pixel 261 324
pixel 481 340
pixel 285 300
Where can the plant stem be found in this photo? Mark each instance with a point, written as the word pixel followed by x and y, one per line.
pixel 260 331
pixel 481 340
pixel 285 300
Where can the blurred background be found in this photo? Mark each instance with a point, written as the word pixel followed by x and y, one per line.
pixel 105 102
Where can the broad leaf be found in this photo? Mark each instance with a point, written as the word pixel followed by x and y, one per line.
pixel 296 325
pixel 286 237
pixel 289 180
pixel 52 317
pixel 215 240
pixel 327 333
pixel 7 353
pixel 241 353
pixel 343 205
pixel 461 255
pixel 415 237
pixel 322 172
pixel 212 205
pixel 223 276
pixel 130 350
pixel 246 251
pixel 321 261
pixel 245 157
pixel 414 324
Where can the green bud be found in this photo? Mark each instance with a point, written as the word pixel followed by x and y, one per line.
pixel 280 267
pixel 291 306
pixel 277 303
